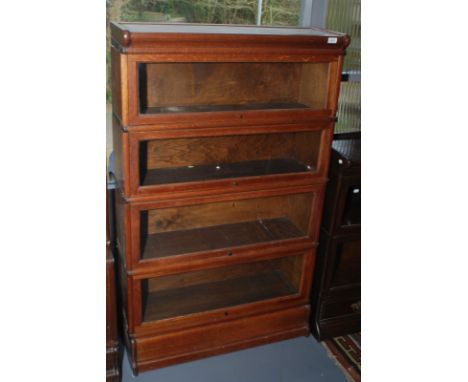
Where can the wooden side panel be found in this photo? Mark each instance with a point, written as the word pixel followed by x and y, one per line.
pixel 334 84
pixel 121 169
pixel 300 210
pixel 123 233
pixel 314 85
pixel 219 338
pixel 308 147
pixel 292 269
pixel 119 85
pixel 316 216
pixel 116 82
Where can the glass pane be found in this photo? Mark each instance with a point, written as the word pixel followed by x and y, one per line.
pixel 203 227
pixel 166 161
pixel 345 16
pixel 349 108
pixel 193 11
pixel 205 290
pixel 281 12
pixel 274 12
pixel 200 87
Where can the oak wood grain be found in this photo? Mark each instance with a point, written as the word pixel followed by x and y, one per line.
pixel 232 149
pixel 212 214
pixel 180 242
pixel 219 337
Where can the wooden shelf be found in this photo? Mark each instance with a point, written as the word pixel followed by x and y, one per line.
pixel 173 243
pixel 227 107
pixel 215 295
pixel 223 171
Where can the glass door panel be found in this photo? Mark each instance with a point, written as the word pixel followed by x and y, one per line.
pixel 180 160
pixel 209 226
pixel 205 290
pixel 166 88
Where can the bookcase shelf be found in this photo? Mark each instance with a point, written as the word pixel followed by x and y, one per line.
pixel 195 173
pixel 227 107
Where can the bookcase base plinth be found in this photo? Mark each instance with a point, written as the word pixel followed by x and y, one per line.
pixel 199 342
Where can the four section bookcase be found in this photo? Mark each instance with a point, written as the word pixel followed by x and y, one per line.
pixel 222 141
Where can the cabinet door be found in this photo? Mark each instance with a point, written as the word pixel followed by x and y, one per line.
pixel 228 159
pixel 350 216
pixel 174 232
pixel 184 91
pixel 343 205
pixel 343 268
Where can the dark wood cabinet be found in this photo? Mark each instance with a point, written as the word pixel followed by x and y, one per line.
pixel 113 345
pixel 113 349
pixel 222 141
pixel 336 295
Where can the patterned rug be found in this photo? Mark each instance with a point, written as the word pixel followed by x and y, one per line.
pixel 346 350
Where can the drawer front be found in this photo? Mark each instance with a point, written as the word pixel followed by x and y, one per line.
pixel 167 233
pixel 227 159
pixel 342 308
pixel 163 350
pixel 210 292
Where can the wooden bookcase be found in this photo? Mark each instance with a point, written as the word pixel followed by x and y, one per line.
pixel 222 141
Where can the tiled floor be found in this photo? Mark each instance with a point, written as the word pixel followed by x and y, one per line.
pixel 298 360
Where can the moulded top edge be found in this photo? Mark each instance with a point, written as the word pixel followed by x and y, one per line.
pixel 135 27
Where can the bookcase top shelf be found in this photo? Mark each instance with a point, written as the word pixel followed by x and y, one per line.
pixel 141 27
pixel 131 34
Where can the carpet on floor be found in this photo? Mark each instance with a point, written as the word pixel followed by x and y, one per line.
pixel 346 350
